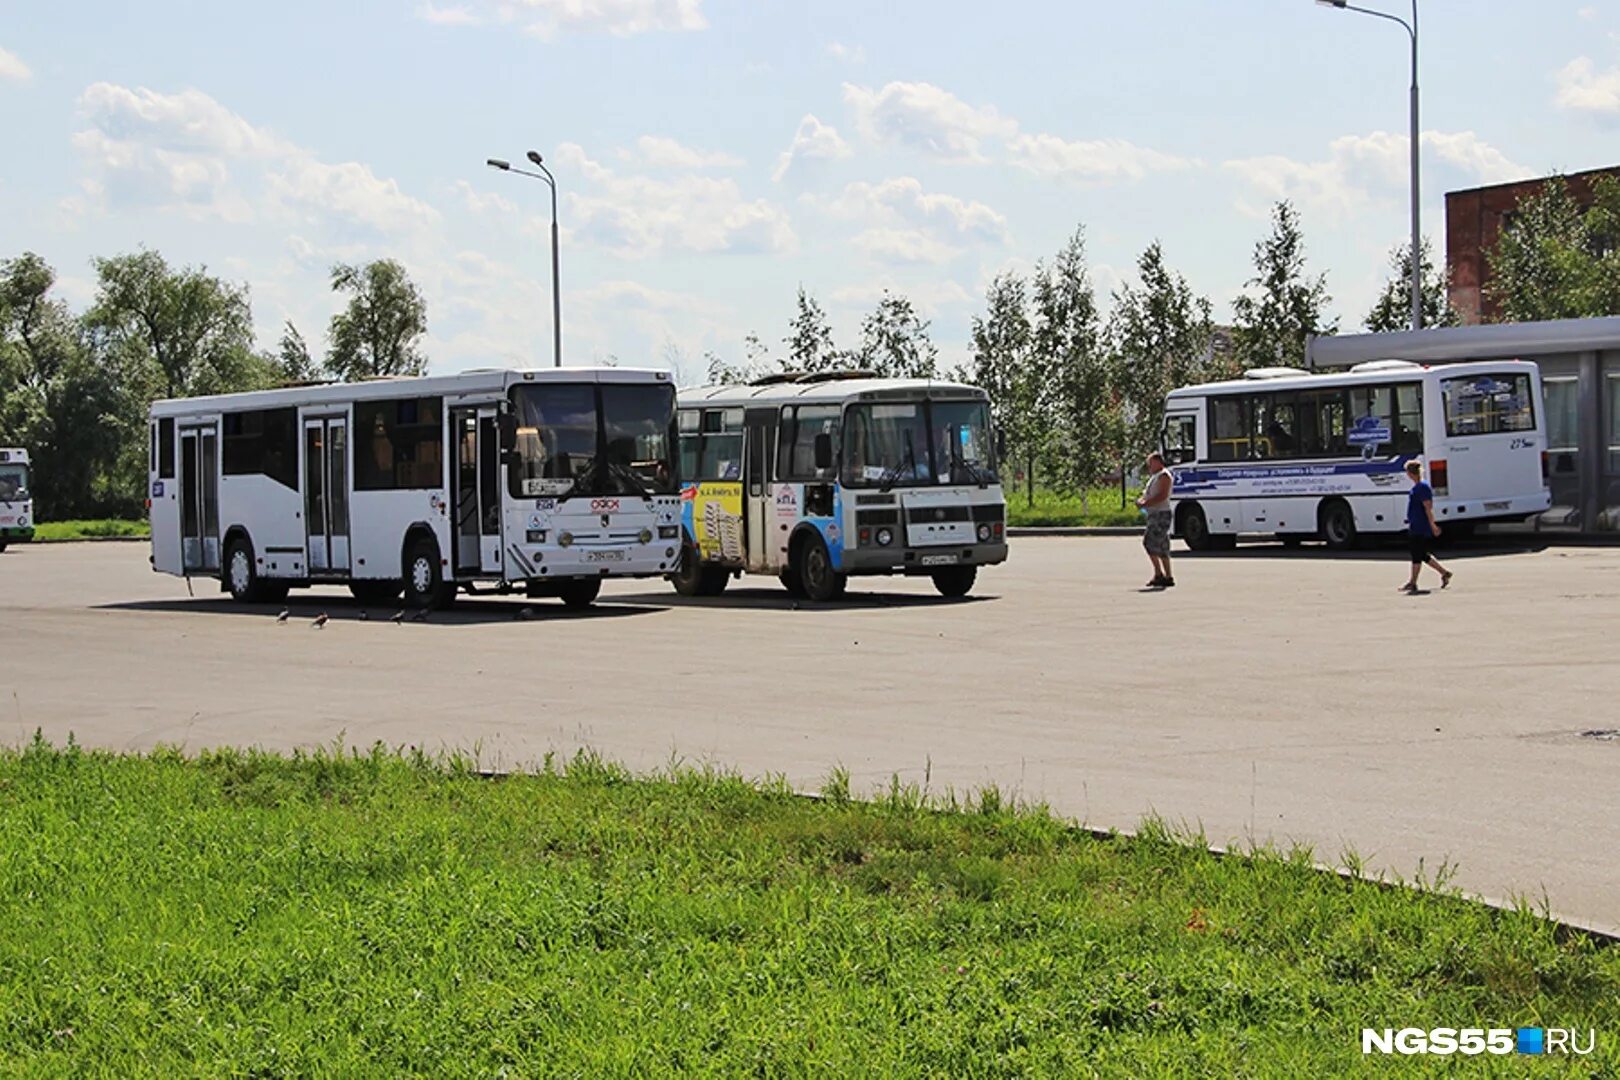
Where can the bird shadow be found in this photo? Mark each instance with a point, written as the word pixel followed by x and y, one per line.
pixel 465 612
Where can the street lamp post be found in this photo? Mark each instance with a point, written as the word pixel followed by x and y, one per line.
pixel 556 288
pixel 1411 29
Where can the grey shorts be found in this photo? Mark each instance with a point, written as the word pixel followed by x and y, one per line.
pixel 1157 538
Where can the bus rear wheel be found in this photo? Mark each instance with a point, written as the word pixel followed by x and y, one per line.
pixel 242 575
pixel 1337 524
pixel 580 593
pixel 955 581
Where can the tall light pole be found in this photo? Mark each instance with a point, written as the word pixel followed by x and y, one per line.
pixel 1411 29
pixel 556 289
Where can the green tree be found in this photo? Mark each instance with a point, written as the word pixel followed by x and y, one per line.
pixel 378 333
pixel 809 341
pixel 1003 364
pixel 755 364
pixel 1556 260
pixel 193 331
pixel 895 342
pixel 1161 335
pixel 1394 308
pixel 1271 328
pixel 1075 374
pixel 292 357
pixel 66 408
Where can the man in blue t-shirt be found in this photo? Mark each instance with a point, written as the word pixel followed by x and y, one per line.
pixel 1421 528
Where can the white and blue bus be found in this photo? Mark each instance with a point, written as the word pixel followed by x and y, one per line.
pixel 16 505
pixel 1303 455
pixel 819 478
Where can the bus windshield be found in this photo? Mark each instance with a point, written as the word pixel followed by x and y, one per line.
pixel 910 443
pixel 593 439
pixel 13 482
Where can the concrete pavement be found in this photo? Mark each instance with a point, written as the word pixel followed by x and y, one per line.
pixel 1271 696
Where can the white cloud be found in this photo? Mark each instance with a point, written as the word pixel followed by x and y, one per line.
pixel 642 216
pixel 904 246
pixel 186 151
pixel 1582 88
pixel 547 19
pixel 1359 168
pixel 11 67
pixel 1588 14
pixel 813 142
pixel 482 202
pixel 849 54
pixel 927 118
pixel 924 117
pixel 902 199
pixel 1091 160
pixel 930 296
pixel 660 152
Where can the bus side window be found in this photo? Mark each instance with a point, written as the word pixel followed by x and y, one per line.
pixel 1229 431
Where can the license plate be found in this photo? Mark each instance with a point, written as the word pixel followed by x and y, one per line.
pixel 613 555
pixel 938 560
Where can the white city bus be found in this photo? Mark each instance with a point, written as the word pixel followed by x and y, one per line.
pixel 817 478
pixel 16 505
pixel 542 481
pixel 1323 455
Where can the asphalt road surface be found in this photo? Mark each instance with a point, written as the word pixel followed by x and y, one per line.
pixel 1289 697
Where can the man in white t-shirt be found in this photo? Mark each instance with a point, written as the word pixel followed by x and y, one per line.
pixel 1155 503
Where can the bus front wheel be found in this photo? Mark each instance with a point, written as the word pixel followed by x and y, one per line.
pixel 1195 529
pixel 423 580
pixel 955 581
pixel 580 593
pixel 1337 524
pixel 695 579
pixel 817 577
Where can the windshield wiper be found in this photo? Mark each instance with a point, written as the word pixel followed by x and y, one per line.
pixel 893 474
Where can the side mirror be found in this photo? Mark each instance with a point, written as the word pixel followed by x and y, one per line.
pixel 507 425
pixel 1001 445
pixel 824 454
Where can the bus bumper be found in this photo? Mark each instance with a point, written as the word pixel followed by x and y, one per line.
pixel 1514 509
pixel 878 560
pixel 652 559
pixel 16 534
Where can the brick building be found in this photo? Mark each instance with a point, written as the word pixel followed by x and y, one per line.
pixel 1474 221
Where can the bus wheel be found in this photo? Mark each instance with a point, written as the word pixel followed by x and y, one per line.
pixel 423 580
pixel 580 593
pixel 242 575
pixel 2 547
pixel 1195 528
pixel 376 592
pixel 956 580
pixel 1337 524
pixel 790 581
pixel 715 580
pixel 817 577
pixel 690 576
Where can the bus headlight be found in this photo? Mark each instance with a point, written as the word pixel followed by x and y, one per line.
pixel 645 536
pixel 668 532
pixel 537 536
pixel 984 533
pixel 565 538
pixel 885 537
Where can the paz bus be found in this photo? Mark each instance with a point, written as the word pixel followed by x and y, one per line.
pixel 818 478
pixel 16 505
pixel 1323 455
pixel 542 481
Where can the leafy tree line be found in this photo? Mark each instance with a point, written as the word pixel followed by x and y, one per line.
pixel 75 387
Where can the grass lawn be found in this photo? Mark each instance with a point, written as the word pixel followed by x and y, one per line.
pixel 388 915
pixel 1102 508
pixel 79 530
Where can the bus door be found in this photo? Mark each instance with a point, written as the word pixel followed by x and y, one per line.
pixel 199 498
pixel 759 427
pixel 477 507
pixel 326 493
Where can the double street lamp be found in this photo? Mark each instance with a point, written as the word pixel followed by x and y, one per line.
pixel 556 294
pixel 1417 236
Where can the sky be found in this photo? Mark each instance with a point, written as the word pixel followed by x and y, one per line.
pixel 713 156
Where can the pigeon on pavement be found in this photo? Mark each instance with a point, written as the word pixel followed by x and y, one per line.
pixel 320 620
pixel 399 617
pixel 283 616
